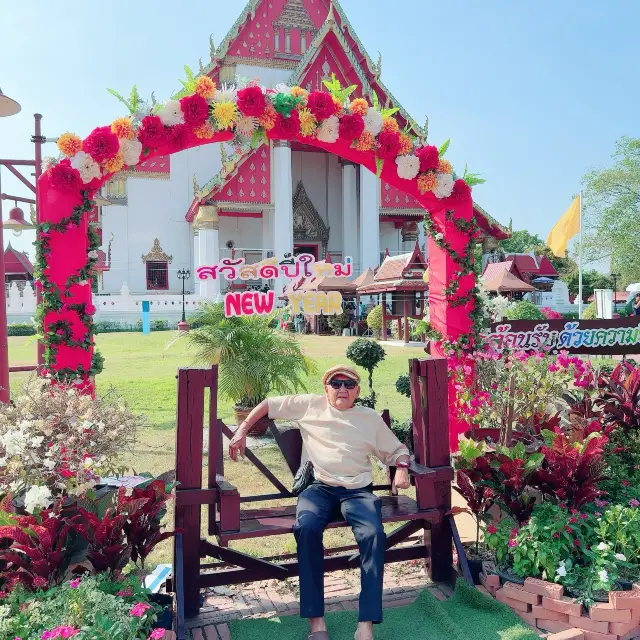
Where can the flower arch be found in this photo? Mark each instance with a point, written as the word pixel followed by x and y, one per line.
pixel 202 113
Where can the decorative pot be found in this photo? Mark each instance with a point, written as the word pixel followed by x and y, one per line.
pixel 259 428
pixel 475 566
pixel 165 617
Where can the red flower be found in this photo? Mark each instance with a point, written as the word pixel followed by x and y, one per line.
pixel 152 133
pixel 428 157
pixel 64 177
pixel 176 134
pixel 577 542
pixel 626 483
pixel 573 520
pixel 389 145
pixel 101 144
pixel 556 535
pixel 351 127
pixel 492 529
pixel 461 191
pixel 321 105
pixel 90 309
pixel 195 110
pixel 568 529
pixel 65 473
pixel 286 128
pixel 251 102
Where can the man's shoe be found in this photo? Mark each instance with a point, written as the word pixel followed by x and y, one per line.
pixel 362 635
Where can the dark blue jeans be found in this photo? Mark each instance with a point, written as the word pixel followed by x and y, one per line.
pixel 318 504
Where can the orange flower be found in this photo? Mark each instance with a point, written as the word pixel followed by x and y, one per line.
pixel 406 145
pixel 308 122
pixel 205 87
pixel 204 131
pixel 115 164
pixel 359 107
pixel 390 125
pixel 69 144
pixel 339 107
pixel 268 118
pixel 299 92
pixel 122 128
pixel 427 181
pixel 444 166
pixel 365 142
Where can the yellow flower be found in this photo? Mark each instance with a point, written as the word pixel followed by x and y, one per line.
pixel 444 166
pixel 268 118
pixel 308 122
pixel 339 107
pixel 225 114
pixel 427 182
pixel 204 131
pixel 205 87
pixel 122 128
pixel 365 142
pixel 69 144
pixel 359 107
pixel 299 92
pixel 390 125
pixel 406 145
pixel 115 164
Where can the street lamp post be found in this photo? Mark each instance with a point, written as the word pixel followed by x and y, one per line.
pixel 615 277
pixel 184 275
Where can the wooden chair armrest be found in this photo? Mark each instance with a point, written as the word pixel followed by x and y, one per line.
pixel 228 506
pixel 224 486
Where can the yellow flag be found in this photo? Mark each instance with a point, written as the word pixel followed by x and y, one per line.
pixel 567 227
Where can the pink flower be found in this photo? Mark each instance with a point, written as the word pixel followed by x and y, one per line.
pixel 156 634
pixel 39 582
pixel 512 543
pixel 576 543
pixel 514 533
pixel 139 609
pixel 601 503
pixel 556 535
pixel 492 529
pixel 126 592
pixel 597 514
pixel 634 503
pixel 626 483
pixel 74 583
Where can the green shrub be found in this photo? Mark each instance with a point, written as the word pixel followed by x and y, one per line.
pixel 367 354
pixel 570 316
pixel 374 320
pixel 403 431
pixel 589 313
pixel 21 329
pixel 403 385
pixel 524 310
pixel 339 322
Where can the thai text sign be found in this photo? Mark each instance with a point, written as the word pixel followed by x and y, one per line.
pixel 619 336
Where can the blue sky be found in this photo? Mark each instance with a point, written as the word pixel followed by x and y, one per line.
pixel 531 93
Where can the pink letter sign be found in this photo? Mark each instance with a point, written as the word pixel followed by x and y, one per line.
pixel 248 303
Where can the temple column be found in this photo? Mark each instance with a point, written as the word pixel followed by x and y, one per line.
pixel 409 234
pixel 421 239
pixel 208 249
pixel 267 232
pixel 350 214
pixel 196 256
pixel 369 219
pixel 283 199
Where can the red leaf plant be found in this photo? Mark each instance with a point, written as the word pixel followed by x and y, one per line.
pixel 620 398
pixel 479 497
pixel 38 551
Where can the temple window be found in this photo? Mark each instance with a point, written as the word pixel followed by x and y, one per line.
pixel 303 42
pixel 117 189
pixel 276 38
pixel 157 276
pixel 287 41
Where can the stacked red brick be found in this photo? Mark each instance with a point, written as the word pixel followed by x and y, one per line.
pixel 543 605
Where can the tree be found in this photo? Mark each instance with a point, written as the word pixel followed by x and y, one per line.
pixel 590 280
pixel 520 242
pixel 367 354
pixel 564 266
pixel 611 207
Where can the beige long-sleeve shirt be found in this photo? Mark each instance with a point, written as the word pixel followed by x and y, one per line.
pixel 339 443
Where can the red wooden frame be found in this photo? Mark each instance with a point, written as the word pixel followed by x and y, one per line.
pixel 156 263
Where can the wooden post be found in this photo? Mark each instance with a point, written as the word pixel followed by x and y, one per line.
pixel 406 318
pixel 191 383
pixel 215 456
pixel 384 316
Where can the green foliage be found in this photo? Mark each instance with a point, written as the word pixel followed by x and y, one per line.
pixel 21 329
pixel 367 354
pixel 442 149
pixel 521 241
pixel 472 179
pixel 403 431
pixel 403 385
pixel 589 312
pixel 374 320
pixel 338 322
pixel 336 90
pixel 524 310
pixel 188 85
pixel 134 101
pixel 591 280
pixel 255 360
pixel 97 363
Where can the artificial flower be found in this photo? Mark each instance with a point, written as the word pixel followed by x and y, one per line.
pixel 115 164
pixel 351 127
pixel 226 93
pixel 251 102
pixel 461 190
pixel 246 125
pixel 131 150
pixel 299 92
pixel 339 107
pixel 444 185
pixel 390 125
pixel 176 135
pixel 204 131
pixel 205 87
pixel 101 144
pixel 69 144
pixel 195 110
pixel 64 177
pixel 287 128
pixel 373 122
pixel 406 144
pixel 152 133
pixel 427 182
pixel 408 167
pixel 225 114
pixel 85 164
pixel 283 88
pixel 359 106
pixel 428 156
pixel 444 166
pixel 268 118
pixel 328 130
pixel 37 498
pixel 122 128
pixel 170 113
pixel 321 105
pixel 308 122
pixel 365 142
pixel 388 146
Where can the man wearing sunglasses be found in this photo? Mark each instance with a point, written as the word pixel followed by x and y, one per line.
pixel 338 438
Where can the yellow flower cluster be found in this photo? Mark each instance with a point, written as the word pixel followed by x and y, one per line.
pixel 444 166
pixel 115 164
pixel 69 144
pixel 359 107
pixel 427 182
pixel 225 114
pixel 365 142
pixel 406 145
pixel 122 128
pixel 308 122
pixel 204 131
pixel 339 107
pixel 390 125
pixel 299 92
pixel 205 87
pixel 268 118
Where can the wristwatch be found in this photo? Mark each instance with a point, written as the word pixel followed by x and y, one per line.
pixel 402 465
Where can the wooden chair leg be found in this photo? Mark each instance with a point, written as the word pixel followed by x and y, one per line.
pixel 440 552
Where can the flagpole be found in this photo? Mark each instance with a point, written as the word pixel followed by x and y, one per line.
pixel 580 299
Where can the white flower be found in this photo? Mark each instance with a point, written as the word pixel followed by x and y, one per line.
pixel 328 130
pixel 226 93
pixel 561 570
pixel 131 149
pixel 621 557
pixel 91 254
pixel 439 236
pixel 408 167
pixel 373 122
pixel 37 498
pixel 282 88
pixel 49 464
pixel 86 166
pixel 603 546
pixel 36 441
pixel 246 125
pixel 444 185
pixel 3 461
pixel 171 113
pixel 88 462
pixel 14 442
pixel 603 575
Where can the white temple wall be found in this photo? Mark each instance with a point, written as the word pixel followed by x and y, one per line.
pixel 390 238
pixel 268 77
pixel 245 233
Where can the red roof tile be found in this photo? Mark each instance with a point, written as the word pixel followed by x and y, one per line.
pixel 16 262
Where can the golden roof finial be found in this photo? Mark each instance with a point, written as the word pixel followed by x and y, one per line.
pixel 330 16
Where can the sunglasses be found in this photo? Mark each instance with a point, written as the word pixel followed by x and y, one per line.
pixel 347 384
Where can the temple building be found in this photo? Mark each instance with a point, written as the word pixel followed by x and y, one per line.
pixel 220 200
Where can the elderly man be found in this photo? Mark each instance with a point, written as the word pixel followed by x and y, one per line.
pixel 338 438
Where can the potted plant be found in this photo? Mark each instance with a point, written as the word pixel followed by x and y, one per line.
pixel 254 359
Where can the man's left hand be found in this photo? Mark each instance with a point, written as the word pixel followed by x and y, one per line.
pixel 401 480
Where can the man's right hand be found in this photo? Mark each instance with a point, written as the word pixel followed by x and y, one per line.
pixel 238 444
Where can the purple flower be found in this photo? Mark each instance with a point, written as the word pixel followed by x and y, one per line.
pixel 75 583
pixel 512 543
pixel 634 503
